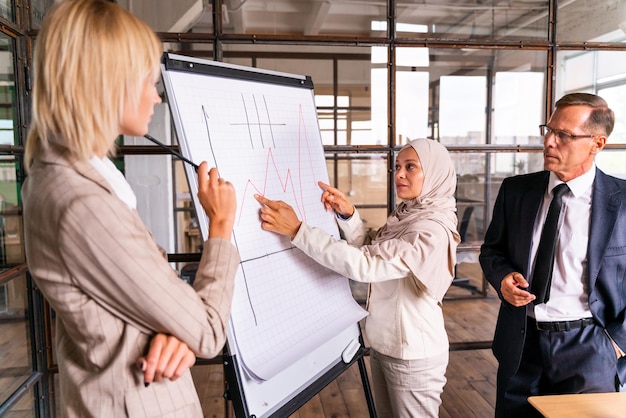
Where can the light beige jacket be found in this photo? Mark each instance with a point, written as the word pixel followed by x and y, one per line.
pixel 405 319
pixel 112 290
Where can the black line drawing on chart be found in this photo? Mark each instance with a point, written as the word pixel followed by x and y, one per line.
pixel 205 117
pixel 289 180
pixel 249 124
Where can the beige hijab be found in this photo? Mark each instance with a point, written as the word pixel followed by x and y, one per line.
pixel 407 233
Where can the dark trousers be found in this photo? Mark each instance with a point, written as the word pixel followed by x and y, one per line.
pixel 557 362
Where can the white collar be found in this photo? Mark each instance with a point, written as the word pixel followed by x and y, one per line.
pixel 115 179
pixel 578 185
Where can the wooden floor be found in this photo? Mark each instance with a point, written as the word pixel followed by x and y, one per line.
pixel 469 392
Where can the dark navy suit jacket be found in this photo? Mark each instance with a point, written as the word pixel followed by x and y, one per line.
pixel 506 249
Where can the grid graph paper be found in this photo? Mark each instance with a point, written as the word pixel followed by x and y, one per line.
pixel 265 140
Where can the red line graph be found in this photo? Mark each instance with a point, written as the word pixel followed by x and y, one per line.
pixel 286 184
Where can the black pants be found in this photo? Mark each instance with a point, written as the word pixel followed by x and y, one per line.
pixel 581 360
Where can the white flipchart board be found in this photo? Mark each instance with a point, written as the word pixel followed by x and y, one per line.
pixel 294 324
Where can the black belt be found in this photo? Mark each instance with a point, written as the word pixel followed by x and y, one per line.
pixel 564 325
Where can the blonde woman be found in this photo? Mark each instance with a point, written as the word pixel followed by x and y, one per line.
pixel 127 328
pixel 409 266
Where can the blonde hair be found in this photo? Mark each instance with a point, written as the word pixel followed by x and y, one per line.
pixel 91 57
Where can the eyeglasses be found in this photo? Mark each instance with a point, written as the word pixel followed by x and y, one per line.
pixel 562 136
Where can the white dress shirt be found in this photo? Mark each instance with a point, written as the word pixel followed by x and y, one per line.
pixel 568 293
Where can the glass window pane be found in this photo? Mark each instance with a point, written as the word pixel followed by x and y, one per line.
pixel 479 176
pixel 12 248
pixel 8 106
pixel 611 66
pixel 576 70
pixel 325 123
pixel 378 106
pixel 324 100
pixel 150 177
pixel 459 112
pixel 10 200
pixel 38 9
pixel 602 73
pixel 411 105
pixel 475 20
pixel 354 83
pixel 462 110
pixel 612 162
pixel 16 365
pixel 7 8
pixel 470 191
pixel 506 164
pixel 616 98
pixel 321 73
pixel 457 81
pixel 412 57
pixel 379 55
pixel 518 107
pixel 357 96
pixel 186 224
pixel 310 18
pixel 363 178
pixel 343 101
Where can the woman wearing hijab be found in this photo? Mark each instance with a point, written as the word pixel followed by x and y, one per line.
pixel 409 266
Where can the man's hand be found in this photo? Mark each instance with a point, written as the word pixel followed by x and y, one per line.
pixel 512 289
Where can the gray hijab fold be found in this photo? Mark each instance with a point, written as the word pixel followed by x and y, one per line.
pixel 410 229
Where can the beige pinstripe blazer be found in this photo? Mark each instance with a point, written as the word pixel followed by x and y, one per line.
pixel 112 290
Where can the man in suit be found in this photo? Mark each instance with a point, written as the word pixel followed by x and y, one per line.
pixel 571 341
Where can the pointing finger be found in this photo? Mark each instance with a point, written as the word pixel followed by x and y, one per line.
pixel 261 199
pixel 323 185
pixel 265 201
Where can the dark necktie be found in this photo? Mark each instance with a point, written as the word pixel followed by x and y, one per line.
pixel 542 275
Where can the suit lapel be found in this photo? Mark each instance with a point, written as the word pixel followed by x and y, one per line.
pixel 604 210
pixel 530 202
pixel 56 155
